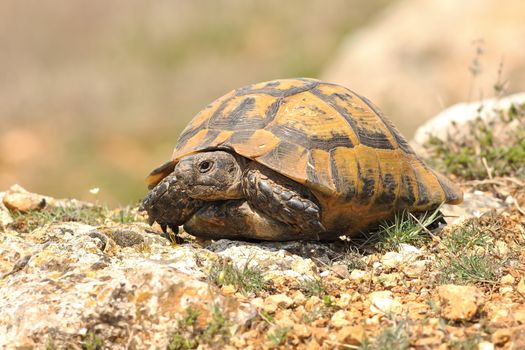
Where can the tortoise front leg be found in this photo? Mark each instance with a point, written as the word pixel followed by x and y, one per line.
pixel 282 199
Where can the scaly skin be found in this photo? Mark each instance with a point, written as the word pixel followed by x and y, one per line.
pixel 169 205
pixel 217 194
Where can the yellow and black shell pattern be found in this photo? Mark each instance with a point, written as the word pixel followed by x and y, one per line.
pixel 326 137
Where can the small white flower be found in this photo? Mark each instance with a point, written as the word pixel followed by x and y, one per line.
pixel 94 190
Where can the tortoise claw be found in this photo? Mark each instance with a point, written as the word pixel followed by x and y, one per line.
pixel 164 228
pixel 151 220
pixel 174 228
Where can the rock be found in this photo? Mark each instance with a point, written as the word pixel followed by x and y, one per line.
pixel 70 285
pixel 519 316
pixel 369 59
pixel 283 319
pixel 459 115
pixel 459 302
pixel 273 302
pixel 485 345
pixel 358 275
pixel 353 335
pixel 228 289
pixel 416 310
pixel 272 257
pixel 382 302
pixel 5 216
pixel 257 302
pixel 313 345
pixel 126 237
pixel 389 280
pixel 407 249
pixel 500 315
pixel 501 248
pixel 506 290
pixel 341 271
pixel 517 338
pixel 344 300
pixel 312 303
pixel 374 320
pixel 392 260
pixel 18 199
pixel 301 330
pixel 64 281
pixel 501 336
pixel 298 298
pixel 521 286
pixel 474 204
pixel 415 269
pixel 339 320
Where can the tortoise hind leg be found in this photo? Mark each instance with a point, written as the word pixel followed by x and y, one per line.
pixel 282 199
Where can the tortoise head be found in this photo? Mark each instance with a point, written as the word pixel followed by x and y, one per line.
pixel 210 176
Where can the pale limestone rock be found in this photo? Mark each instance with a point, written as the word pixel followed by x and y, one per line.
pixel 301 330
pixel 298 298
pixel 228 289
pixel 459 302
pixel 407 249
pixel 507 280
pixel 284 319
pixel 474 204
pixel 519 316
pixel 312 303
pixel 68 286
pixel 358 275
pixel 5 216
pixel 278 301
pixel 339 320
pixel 344 300
pixel 383 302
pixel 64 280
pixel 485 345
pixel 460 114
pixel 341 270
pixel 501 336
pixel 257 302
pixel 389 280
pixel 19 199
pixel 272 257
pixel 501 248
pixel 392 260
pixel 521 286
pixel 415 269
pixel 500 315
pixel 352 335
pixel 506 290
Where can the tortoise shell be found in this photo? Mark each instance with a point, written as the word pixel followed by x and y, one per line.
pixel 322 135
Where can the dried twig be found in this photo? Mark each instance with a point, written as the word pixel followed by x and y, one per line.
pixel 487 168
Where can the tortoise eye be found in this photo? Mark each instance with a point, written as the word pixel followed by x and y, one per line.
pixel 205 166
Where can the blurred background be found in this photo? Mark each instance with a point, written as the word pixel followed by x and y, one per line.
pixel 93 93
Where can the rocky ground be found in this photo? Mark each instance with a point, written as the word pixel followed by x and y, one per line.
pixel 77 275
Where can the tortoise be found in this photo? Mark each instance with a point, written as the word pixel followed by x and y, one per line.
pixel 291 159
